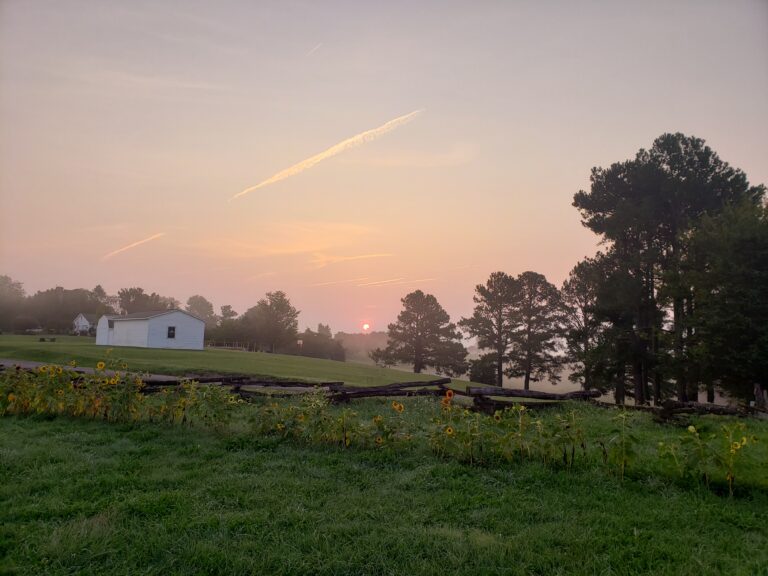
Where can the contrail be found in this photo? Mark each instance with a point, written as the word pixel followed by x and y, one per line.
pixel 315 49
pixel 139 243
pixel 337 282
pixel 321 260
pixel 362 138
pixel 380 282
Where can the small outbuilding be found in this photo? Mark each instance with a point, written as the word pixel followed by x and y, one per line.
pixel 85 323
pixel 175 329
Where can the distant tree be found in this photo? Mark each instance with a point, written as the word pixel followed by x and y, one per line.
pixel 227 313
pixel 56 308
pixel 492 321
pixel 273 322
pixel 203 309
pixel 22 323
pixel 136 300
pixel 324 330
pixel 100 294
pixel 483 370
pixel 538 314
pixel 319 344
pixel 11 301
pixel 358 346
pixel 424 336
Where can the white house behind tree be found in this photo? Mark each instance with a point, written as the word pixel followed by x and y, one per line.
pixel 83 323
pixel 163 329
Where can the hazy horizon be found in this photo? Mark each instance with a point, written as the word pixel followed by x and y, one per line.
pixel 383 148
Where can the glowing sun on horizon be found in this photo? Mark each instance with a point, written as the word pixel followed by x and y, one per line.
pixel 366 326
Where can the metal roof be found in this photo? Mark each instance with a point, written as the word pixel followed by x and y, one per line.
pixel 147 315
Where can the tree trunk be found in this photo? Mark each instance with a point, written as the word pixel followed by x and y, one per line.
pixel 527 383
pixel 499 369
pixel 682 384
pixel 637 377
pixel 760 397
pixel 693 377
pixel 710 392
pixel 618 392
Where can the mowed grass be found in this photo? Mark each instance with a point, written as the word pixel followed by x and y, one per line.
pixel 180 362
pixel 83 497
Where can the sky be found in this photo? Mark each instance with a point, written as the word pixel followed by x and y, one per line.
pixel 387 146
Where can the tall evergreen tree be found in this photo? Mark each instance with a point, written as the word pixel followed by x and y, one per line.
pixel 646 209
pixel 273 322
pixel 424 337
pixel 728 272
pixel 537 313
pixel 492 321
pixel 583 327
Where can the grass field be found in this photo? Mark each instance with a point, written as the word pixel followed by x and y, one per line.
pixel 83 497
pixel 89 497
pixel 85 351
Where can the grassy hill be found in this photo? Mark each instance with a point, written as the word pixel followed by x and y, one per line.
pixel 86 353
pixel 85 497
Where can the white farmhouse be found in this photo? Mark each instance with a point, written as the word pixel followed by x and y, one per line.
pixel 163 329
pixel 84 323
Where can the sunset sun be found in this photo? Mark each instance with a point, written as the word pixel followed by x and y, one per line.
pixel 366 326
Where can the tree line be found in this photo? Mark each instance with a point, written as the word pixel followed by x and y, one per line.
pixel 271 325
pixel 676 302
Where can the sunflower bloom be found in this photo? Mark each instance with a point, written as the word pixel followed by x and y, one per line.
pixel 100 365
pixel 379 440
pixel 449 394
pixel 449 431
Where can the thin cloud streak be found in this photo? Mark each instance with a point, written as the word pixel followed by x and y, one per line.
pixel 315 49
pixel 337 282
pixel 354 141
pixel 321 260
pixel 133 245
pixel 398 282
pixel 380 282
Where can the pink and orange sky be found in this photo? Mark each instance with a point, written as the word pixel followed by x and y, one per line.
pixel 129 121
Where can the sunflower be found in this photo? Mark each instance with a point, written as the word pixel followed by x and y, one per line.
pixel 377 419
pixel 73 363
pixel 400 407
pixel 11 397
pixel 100 365
pixel 497 417
pixel 449 394
pixel 449 431
pixel 379 440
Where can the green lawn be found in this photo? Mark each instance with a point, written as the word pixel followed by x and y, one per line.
pixel 85 351
pixel 83 497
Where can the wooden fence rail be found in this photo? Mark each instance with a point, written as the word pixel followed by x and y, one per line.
pixel 484 398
